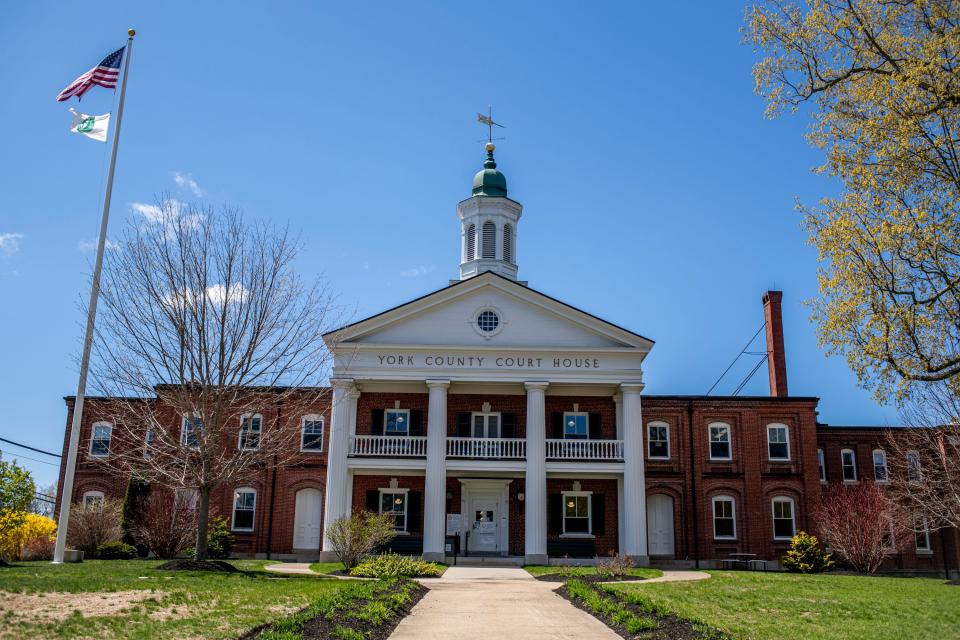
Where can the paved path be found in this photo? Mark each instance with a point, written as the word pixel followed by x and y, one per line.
pixel 675 576
pixel 292 568
pixel 478 602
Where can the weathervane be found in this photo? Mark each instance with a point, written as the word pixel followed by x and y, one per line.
pixel 488 121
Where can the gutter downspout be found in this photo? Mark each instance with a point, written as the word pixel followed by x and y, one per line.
pixel 693 488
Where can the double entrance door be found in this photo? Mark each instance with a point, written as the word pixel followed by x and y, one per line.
pixel 484 503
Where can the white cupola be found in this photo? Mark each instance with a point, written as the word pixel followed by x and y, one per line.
pixel 488 225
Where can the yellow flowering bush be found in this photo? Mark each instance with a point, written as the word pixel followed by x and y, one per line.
pixel 22 531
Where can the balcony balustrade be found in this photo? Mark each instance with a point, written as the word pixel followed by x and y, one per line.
pixel 486 448
pixel 585 450
pixel 388 446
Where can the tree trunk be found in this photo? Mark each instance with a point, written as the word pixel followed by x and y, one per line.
pixel 200 552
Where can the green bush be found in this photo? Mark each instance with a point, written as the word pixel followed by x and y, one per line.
pixel 219 539
pixel 116 551
pixel 806 556
pixel 391 565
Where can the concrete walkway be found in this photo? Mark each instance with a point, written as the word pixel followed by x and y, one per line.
pixel 675 576
pixel 472 602
pixel 303 569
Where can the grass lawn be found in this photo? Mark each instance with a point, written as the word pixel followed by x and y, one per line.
pixel 326 567
pixel 787 606
pixel 573 572
pixel 131 599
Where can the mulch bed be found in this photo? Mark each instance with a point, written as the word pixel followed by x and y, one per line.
pixel 668 627
pixel 198 565
pixel 556 577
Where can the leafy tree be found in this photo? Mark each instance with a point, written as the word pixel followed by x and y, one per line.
pixel 17 491
pixel 882 85
pixel 806 556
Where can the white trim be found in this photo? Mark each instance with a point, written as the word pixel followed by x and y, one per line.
pixel 486 423
pixel 729 441
pixel 563 516
pixel 191 417
pixel 586 417
pixel 786 429
pixel 843 467
pixel 258 431
pixel 733 515
pixel 658 424
pixel 475 321
pixel 886 469
pixel 93 438
pixel 914 470
pixel 793 516
pixel 312 417
pixel 925 532
pixel 822 466
pixel 233 510
pixel 406 506
pixel 92 495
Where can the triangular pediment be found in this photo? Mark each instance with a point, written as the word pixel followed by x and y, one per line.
pixel 525 319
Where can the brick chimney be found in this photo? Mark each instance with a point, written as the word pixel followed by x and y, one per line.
pixel 776 358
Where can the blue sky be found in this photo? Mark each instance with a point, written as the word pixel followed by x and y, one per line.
pixel 655 193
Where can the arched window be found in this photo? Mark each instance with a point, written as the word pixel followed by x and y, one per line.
pixel 784 519
pixel 244 507
pixel 250 425
pixel 471 242
pixel 507 243
pixel 100 439
pixel 489 240
pixel 724 518
pixel 92 498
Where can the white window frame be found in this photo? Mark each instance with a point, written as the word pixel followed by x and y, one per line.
pixel 406 421
pixel 312 417
pixel 914 470
pixel 793 516
pixel 786 430
pixel 658 425
pixel 187 425
pixel 925 532
pixel 89 496
pixel 406 506
pixel 822 466
pixel 259 431
pixel 233 510
pixel 149 437
pixel 571 414
pixel 853 464
pixel 886 469
pixel 93 438
pixel 710 441
pixel 486 422
pixel 563 515
pixel 733 515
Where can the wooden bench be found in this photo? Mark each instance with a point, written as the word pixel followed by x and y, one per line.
pixel 731 563
pixel 574 548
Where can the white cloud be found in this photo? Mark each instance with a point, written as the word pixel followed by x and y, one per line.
pixel 10 243
pixel 167 213
pixel 185 181
pixel 91 245
pixel 215 295
pixel 419 270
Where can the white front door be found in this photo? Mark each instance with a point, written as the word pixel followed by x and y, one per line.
pixel 660 524
pixel 306 520
pixel 484 529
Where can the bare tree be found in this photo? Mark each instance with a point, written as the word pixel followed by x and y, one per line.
pixel 924 460
pixel 862 525
pixel 205 331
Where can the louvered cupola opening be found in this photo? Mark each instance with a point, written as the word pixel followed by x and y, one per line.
pixel 471 242
pixel 507 243
pixel 489 240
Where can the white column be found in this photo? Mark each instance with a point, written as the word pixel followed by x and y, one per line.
pixel 634 482
pixel 535 487
pixel 435 498
pixel 343 406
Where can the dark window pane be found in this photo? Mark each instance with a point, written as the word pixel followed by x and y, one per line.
pixel 778 450
pixel 659 450
pixel 723 527
pixel 578 525
pixel 312 442
pixel 243 519
pixel 719 449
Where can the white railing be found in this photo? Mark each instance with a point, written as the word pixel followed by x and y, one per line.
pixel 585 449
pixel 410 446
pixel 513 448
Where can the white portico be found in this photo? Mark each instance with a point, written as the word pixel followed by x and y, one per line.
pixel 500 372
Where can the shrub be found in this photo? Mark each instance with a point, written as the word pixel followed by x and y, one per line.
pixel 392 565
pixel 618 565
pixel 806 556
pixel 134 502
pixel 34 531
pixel 357 535
pixel 166 526
pixel 862 525
pixel 116 551
pixel 92 524
pixel 39 549
pixel 219 539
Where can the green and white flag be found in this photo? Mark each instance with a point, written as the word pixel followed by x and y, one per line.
pixel 91 126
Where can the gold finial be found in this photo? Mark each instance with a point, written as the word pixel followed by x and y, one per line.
pixel 490 147
pixel 131 32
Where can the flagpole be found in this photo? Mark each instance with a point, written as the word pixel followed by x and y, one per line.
pixel 66 495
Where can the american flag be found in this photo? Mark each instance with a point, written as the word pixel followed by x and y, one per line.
pixel 104 74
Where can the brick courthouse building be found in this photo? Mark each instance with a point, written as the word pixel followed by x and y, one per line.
pixel 499 414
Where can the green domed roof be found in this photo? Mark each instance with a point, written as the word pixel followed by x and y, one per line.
pixel 489 181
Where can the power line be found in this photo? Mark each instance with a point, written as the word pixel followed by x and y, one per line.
pixel 742 352
pixel 19 455
pixel 744 382
pixel 55 455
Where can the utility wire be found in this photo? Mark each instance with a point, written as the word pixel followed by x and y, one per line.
pixel 18 455
pixel 55 455
pixel 749 375
pixel 742 351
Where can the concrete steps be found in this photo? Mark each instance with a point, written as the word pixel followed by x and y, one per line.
pixel 486 561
